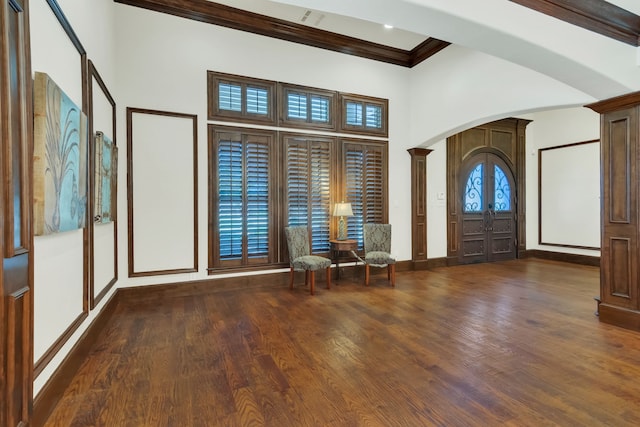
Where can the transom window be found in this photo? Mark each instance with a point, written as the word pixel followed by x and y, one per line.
pixel 307 107
pixel 241 99
pixel 474 191
pixel 364 115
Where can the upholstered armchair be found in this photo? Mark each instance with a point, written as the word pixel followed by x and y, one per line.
pixel 300 258
pixel 377 250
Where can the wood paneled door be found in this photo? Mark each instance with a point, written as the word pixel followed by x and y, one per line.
pixel 16 237
pixel 488 210
pixel 486 192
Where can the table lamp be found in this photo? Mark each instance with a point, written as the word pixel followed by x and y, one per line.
pixel 341 210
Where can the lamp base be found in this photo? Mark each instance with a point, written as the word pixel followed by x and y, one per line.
pixel 342 229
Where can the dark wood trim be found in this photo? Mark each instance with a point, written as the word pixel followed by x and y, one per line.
pixel 57 345
pixel 430 263
pixel 383 103
pixel 238 19
pixel 215 113
pixel 282 101
pixel 617 103
pixel 425 50
pixel 561 256
pixel 130 112
pixel 540 242
pixel 419 203
pixel 93 298
pixel 619 316
pixel 52 391
pixel 595 15
pixel 66 26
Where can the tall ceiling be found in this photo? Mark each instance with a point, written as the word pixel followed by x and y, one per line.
pixel 591 45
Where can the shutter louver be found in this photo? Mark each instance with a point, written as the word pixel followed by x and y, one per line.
pixel 373 116
pixel 229 97
pixel 354 189
pixel 296 106
pixel 365 187
pixel 257 100
pixel 230 195
pixel 308 189
pixel 319 109
pixel 320 197
pixel 354 114
pixel 257 199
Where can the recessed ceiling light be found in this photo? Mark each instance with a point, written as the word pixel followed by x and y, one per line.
pixel 388 26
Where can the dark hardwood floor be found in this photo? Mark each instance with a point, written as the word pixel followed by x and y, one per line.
pixel 504 344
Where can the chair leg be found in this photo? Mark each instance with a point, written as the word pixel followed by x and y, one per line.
pixel 312 278
pixel 366 274
pixel 328 277
pixel 391 270
pixel 306 277
pixel 291 278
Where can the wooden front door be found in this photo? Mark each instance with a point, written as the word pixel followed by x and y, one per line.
pixel 16 237
pixel 488 210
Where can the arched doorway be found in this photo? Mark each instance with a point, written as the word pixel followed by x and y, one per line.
pixel 490 160
pixel 487 210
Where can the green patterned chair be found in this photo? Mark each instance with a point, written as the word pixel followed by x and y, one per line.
pixel 377 250
pixel 300 258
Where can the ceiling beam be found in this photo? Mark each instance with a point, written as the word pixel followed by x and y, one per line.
pixel 238 19
pixel 595 15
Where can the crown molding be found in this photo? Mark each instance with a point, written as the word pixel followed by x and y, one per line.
pixel 238 19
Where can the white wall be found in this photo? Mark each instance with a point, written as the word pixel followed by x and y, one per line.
pixel 58 259
pixel 550 129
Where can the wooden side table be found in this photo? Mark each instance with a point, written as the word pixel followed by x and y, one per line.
pixel 337 247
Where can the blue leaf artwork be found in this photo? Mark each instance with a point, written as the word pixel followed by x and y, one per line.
pixel 60 160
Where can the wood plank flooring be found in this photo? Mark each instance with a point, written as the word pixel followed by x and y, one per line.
pixel 504 344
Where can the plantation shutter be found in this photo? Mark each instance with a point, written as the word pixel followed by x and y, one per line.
pixel 230 195
pixel 243 197
pixel 365 176
pixel 257 198
pixel 308 181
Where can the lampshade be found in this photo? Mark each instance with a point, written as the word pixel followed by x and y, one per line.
pixel 342 209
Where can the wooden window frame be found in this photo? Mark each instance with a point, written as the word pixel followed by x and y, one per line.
pixel 245 263
pixel 285 140
pixel 382 103
pixel 215 113
pixel 284 89
pixel 347 145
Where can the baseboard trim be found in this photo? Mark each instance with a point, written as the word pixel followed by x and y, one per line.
pixel 564 257
pixel 50 394
pixel 618 316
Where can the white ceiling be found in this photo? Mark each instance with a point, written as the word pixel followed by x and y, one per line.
pixel 353 27
pixel 340 24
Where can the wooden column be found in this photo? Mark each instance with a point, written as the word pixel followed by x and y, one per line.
pixel 620 216
pixel 419 206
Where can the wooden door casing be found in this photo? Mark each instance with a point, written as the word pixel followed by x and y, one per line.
pixel 506 139
pixel 16 241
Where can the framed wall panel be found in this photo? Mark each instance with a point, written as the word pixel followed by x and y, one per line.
pixel 103 237
pixel 162 192
pixel 60 295
pixel 569 195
